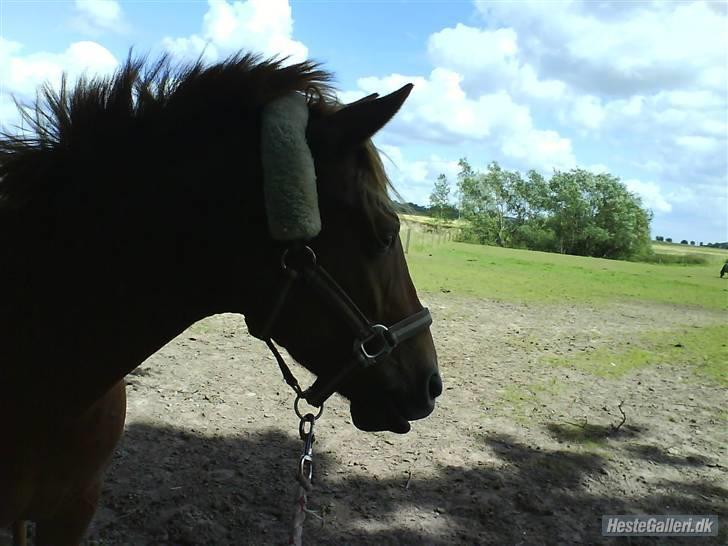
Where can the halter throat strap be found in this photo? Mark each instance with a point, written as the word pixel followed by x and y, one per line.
pixel 372 342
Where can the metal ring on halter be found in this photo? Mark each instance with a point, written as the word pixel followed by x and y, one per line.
pixel 307 249
pixel 380 331
pixel 298 411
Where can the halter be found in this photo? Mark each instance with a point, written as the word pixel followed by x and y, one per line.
pixel 372 342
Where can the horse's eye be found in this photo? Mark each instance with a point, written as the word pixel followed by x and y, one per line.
pixel 387 242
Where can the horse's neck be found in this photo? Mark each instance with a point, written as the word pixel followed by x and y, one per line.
pixel 68 344
pixel 72 330
pixel 79 315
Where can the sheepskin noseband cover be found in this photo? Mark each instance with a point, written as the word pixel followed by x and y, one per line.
pixel 289 176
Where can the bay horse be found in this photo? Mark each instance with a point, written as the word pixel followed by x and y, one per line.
pixel 132 206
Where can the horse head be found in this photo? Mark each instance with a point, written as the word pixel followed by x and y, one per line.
pixel 353 232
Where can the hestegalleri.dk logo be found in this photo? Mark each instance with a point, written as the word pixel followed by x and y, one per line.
pixel 660 526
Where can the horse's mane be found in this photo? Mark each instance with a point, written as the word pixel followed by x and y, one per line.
pixel 140 96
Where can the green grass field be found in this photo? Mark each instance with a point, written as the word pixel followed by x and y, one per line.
pixel 528 276
pixel 551 279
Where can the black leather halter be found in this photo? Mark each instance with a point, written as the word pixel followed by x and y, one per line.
pixel 372 342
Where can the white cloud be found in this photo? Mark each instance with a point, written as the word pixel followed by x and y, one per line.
pixel 530 84
pixel 414 178
pixel 258 26
pixel 23 73
pixel 629 107
pixel 619 48
pixel 96 16
pixel 651 195
pixel 20 75
pixel 457 47
pixel 587 111
pixel 698 144
pixel 489 60
pixel 714 127
pixel 440 111
pixel 697 99
pixel 543 150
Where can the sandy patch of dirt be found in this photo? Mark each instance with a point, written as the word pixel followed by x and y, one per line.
pixel 517 452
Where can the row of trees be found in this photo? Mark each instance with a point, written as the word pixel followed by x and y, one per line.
pixel 574 212
pixel 661 239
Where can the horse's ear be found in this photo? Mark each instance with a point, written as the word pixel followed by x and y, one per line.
pixel 356 122
pixel 365 99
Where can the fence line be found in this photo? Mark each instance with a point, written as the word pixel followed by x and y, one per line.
pixel 427 236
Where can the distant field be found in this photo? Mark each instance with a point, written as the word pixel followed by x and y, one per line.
pixel 523 276
pixel 678 248
pixel 416 221
pixel 417 224
pixel 712 254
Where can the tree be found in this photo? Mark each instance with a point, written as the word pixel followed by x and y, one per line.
pixel 474 204
pixel 684 242
pixel 506 201
pixel 440 196
pixel 692 243
pixel 574 212
pixel 659 238
pixel 568 211
pixel 534 231
pixel 595 215
pixel 499 203
pixel 668 240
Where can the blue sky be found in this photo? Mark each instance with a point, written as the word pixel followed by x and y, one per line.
pixel 638 89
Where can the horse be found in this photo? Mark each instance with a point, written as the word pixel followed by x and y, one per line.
pixel 724 270
pixel 133 205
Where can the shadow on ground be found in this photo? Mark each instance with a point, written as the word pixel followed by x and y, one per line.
pixel 170 486
pixel 588 432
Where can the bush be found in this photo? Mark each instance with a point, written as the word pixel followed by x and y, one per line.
pixel 535 237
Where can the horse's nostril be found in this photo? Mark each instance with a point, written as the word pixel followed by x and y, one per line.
pixel 435 385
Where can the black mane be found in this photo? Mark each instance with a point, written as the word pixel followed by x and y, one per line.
pixel 149 102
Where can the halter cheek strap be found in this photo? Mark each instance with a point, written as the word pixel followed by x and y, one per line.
pixel 372 342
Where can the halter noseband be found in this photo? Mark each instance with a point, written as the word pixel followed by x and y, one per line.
pixel 372 342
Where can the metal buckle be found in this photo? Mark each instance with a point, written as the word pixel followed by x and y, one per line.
pixel 379 332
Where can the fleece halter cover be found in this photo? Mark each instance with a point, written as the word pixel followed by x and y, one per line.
pixel 289 185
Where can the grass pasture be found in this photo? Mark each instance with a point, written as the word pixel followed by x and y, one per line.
pixel 526 276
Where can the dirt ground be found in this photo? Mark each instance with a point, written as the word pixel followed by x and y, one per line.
pixel 517 452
